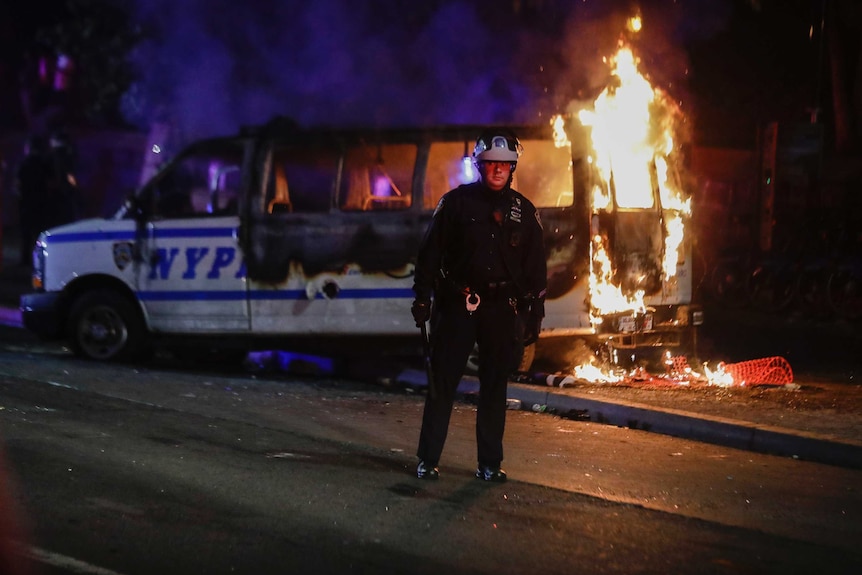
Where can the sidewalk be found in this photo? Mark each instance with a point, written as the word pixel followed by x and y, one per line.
pixel 813 419
pixel 836 439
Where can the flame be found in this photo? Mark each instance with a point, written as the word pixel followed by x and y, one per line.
pixel 561 138
pixel 605 296
pixel 602 199
pixel 675 233
pixel 632 127
pixel 592 373
pixel 620 122
pixel 719 377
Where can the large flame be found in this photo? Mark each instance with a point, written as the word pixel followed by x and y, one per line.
pixel 620 122
pixel 632 126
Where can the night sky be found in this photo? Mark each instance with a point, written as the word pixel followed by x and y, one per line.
pixel 211 66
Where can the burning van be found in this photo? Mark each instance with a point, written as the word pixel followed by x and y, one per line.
pixel 306 238
pixel 640 292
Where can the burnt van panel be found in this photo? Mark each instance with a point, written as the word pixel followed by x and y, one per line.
pixel 637 247
pixel 308 236
pixel 184 242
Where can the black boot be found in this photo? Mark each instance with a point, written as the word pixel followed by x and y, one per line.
pixel 489 473
pixel 427 471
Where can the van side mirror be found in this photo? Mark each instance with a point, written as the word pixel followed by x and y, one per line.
pixel 135 207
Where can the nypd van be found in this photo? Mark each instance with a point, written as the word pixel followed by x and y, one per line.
pixel 306 238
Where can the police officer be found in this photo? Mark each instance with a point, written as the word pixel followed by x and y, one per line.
pixel 66 204
pixel 482 260
pixel 33 184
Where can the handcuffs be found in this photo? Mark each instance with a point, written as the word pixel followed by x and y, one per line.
pixel 473 300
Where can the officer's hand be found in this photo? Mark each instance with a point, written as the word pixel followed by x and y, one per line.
pixel 421 310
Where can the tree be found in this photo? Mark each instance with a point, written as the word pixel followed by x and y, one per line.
pixel 86 48
pixel 842 31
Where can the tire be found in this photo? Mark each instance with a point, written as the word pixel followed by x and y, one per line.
pixel 105 326
pixel 727 284
pixel 524 364
pixel 811 292
pixel 844 293
pixel 472 367
pixel 527 358
pixel 772 288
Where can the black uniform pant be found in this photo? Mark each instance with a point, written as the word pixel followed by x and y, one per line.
pixel 454 331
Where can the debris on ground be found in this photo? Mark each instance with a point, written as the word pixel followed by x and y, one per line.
pixel 770 371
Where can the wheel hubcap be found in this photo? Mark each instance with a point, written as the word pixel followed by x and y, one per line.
pixel 103 333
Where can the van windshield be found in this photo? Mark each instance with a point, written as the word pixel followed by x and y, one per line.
pixel 204 180
pixel 544 172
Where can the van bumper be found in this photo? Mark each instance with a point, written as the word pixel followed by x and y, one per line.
pixel 40 313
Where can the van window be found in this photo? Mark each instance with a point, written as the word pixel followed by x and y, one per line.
pixel 205 182
pixel 450 164
pixel 224 190
pixel 378 177
pixel 544 172
pixel 300 180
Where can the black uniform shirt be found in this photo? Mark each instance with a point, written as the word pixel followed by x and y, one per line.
pixel 477 236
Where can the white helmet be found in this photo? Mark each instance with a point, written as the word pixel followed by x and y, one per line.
pixel 497 147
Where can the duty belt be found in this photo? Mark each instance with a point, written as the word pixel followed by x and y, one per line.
pixel 493 290
pixel 490 290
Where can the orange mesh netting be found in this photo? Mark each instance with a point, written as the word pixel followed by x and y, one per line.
pixel 680 364
pixel 769 370
pixel 766 371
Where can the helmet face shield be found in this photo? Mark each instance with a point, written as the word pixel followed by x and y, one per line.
pixel 497 148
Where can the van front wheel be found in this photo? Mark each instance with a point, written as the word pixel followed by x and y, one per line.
pixel 105 326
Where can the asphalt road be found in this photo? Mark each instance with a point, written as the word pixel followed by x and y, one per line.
pixel 169 469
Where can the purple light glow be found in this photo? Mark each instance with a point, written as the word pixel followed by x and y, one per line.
pixel 211 66
pixel 381 187
pixel 468 172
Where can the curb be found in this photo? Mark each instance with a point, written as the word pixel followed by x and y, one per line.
pixel 708 429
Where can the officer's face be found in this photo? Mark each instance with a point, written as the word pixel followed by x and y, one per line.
pixel 495 174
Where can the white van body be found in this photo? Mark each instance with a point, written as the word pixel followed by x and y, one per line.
pixel 306 239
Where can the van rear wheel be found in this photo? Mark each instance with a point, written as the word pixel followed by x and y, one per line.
pixel 105 326
pixel 524 365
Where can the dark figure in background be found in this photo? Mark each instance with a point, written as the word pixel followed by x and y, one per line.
pixel 66 205
pixel 33 182
pixel 482 259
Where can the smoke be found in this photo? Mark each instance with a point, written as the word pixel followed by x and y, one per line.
pixel 211 66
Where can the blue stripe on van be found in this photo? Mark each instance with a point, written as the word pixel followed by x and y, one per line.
pixel 263 295
pixel 71 237
pixel 360 293
pixel 90 237
pixel 196 295
pixel 195 232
